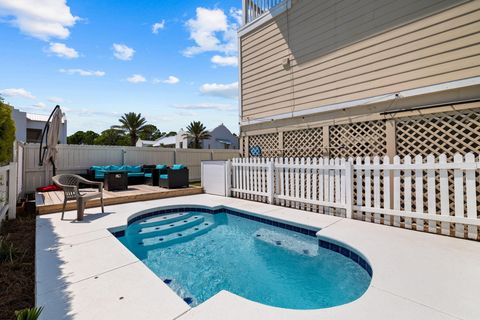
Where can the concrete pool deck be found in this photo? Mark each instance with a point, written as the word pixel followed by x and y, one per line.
pixel 84 272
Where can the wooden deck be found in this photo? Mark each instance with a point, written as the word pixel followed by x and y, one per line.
pixel 49 202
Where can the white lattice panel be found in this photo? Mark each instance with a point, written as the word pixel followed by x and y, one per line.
pixel 303 143
pixel 446 133
pixel 358 139
pixel 267 142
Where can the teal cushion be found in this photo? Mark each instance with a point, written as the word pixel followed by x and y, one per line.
pixel 164 176
pixel 178 166
pixel 99 174
pixel 134 168
pixel 117 168
pixel 100 168
pixel 135 174
pixel 161 166
pixel 148 175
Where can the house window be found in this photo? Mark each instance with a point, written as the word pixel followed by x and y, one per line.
pixel 181 145
pixel 34 135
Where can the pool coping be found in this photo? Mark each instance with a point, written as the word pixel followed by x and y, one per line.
pixel 71 241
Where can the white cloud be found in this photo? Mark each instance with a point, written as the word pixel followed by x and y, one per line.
pixel 229 90
pixel 123 52
pixel 40 19
pixel 236 14
pixel 231 61
pixel 83 73
pixel 158 26
pixel 207 106
pixel 17 92
pixel 169 80
pixel 212 31
pixel 55 99
pixel 136 78
pixel 62 51
pixel 40 105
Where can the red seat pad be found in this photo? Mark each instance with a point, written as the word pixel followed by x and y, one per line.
pixel 49 188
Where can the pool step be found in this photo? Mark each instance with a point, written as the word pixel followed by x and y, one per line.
pixel 175 237
pixel 165 229
pixel 158 220
pixel 289 242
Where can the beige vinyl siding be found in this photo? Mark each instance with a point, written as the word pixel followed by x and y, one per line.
pixel 348 50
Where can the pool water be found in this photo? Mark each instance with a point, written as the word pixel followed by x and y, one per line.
pixel 199 254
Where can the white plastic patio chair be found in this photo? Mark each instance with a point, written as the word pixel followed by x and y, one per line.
pixel 70 185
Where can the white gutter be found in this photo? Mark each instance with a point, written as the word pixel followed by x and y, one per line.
pixel 371 100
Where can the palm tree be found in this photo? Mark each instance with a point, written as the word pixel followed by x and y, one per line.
pixel 131 124
pixel 197 131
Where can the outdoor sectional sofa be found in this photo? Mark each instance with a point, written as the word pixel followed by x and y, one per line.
pixel 136 174
pixel 160 175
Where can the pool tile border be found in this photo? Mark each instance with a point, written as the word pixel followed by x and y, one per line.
pixel 309 232
pixel 347 253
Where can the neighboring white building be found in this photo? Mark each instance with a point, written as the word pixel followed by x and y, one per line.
pixel 220 138
pixel 29 126
pixel 164 142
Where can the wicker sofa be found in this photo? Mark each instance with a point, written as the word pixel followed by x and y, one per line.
pixel 175 177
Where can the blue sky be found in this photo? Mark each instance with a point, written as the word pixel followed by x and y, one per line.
pixel 173 61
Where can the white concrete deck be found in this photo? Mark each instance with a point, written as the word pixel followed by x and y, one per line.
pixel 83 272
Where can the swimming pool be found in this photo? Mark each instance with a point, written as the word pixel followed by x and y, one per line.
pixel 199 252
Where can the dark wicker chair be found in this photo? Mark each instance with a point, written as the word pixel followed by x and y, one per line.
pixel 155 173
pixel 177 178
pixel 70 185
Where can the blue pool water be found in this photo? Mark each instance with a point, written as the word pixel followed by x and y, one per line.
pixel 199 254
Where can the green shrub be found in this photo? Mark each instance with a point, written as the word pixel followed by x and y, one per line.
pixel 7 132
pixel 29 313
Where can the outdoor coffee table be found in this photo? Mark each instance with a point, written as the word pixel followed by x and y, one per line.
pixel 115 180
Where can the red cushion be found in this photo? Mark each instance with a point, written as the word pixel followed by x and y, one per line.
pixel 49 188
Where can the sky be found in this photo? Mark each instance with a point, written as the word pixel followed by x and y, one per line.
pixel 173 61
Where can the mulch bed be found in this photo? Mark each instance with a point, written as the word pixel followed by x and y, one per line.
pixel 17 277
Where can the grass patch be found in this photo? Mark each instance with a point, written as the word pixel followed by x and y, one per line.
pixel 17 266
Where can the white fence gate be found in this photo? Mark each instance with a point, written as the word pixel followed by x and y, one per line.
pixel 424 194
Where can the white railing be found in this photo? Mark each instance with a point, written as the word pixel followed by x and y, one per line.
pixel 8 191
pixel 426 194
pixel 253 9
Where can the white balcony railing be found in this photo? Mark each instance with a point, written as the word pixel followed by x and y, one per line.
pixel 253 9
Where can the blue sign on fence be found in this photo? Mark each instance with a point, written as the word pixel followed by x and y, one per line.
pixel 255 151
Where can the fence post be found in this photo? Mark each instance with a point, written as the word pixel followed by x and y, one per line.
pixel 12 191
pixel 270 180
pixel 349 189
pixel 228 178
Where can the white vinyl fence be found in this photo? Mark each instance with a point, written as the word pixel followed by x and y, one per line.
pixel 8 191
pixel 78 158
pixel 427 194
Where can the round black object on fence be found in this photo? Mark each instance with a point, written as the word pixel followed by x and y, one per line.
pixel 255 151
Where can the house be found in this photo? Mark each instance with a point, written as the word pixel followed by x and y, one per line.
pixel 220 138
pixel 360 78
pixel 29 126
pixel 178 141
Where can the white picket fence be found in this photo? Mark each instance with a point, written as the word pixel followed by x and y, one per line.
pixel 425 194
pixel 8 191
